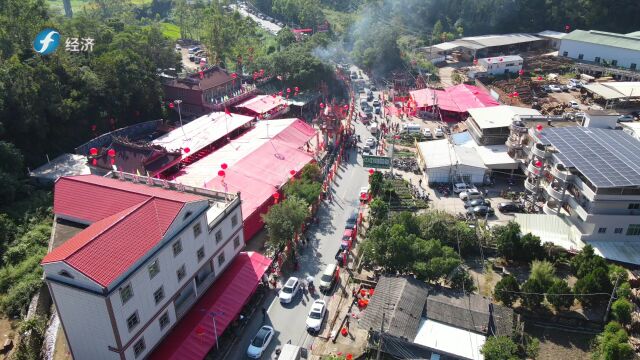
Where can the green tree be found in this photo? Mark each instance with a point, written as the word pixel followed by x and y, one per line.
pixel 506 290
pixel 461 280
pixel 621 310
pixel 533 292
pixel 560 301
pixel 311 172
pixel 283 220
pixel 499 348
pixel 595 282
pixel 531 247
pixel 543 272
pixel 376 182
pixel 612 344
pixel 306 190
pixel 623 291
pixel 507 239
pixel 379 210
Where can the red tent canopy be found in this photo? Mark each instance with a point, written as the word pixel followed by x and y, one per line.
pixel 457 98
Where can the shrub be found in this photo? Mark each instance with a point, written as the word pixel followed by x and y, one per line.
pixel 621 310
pixel 17 299
pixel 499 348
pixel 534 290
pixel 560 301
pixel 506 290
pixel 612 344
pixel 543 271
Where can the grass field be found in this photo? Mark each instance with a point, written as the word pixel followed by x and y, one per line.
pixel 171 31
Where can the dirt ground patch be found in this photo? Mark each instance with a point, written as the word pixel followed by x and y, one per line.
pixel 8 331
pixel 557 344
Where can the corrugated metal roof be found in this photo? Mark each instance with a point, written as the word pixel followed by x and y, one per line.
pixel 623 251
pixel 128 220
pixel 605 38
pixel 552 34
pixel 499 40
pixel 498 116
pixel 441 153
pixel 615 90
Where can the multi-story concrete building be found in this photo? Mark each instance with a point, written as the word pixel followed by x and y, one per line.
pixel 147 252
pixel 589 176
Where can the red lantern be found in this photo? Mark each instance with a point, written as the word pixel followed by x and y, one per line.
pixel 515 94
pixel 171 105
pixel 234 76
pixel 224 166
pixel 538 163
pixel 321 105
pixel 279 93
pixel 276 195
pixel 187 150
pixel 346 107
pixel 363 196
pixel 292 172
pixel 93 151
pixel 349 357
pixel 521 72
pixel 111 153
pixel 539 77
pixel 274 95
pixel 221 173
pixel 539 127
pixel 371 171
pixel 296 89
pixel 288 90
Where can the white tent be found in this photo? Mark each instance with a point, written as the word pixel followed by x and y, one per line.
pixel 444 162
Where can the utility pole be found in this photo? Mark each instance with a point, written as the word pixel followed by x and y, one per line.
pixel 606 314
pixel 380 338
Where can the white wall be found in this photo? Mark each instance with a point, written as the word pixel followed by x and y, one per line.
pixel 152 335
pixel 498 68
pixel 610 222
pixel 590 51
pixel 86 323
pixel 52 271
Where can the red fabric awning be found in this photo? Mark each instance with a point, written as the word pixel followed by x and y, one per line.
pixel 194 337
pixel 457 98
pixel 262 104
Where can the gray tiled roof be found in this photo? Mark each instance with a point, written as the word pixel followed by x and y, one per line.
pixel 402 300
pixel 469 312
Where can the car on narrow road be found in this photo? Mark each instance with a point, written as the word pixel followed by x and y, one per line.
pixel 460 187
pixel 625 118
pixel 289 290
pixel 439 132
pixel 352 221
pixel 481 210
pixel 426 132
pixel 316 316
pixel 260 342
pixel 370 142
pixel 574 104
pixel 555 88
pixel 477 202
pixel 509 207
pixel 376 103
pixel 470 195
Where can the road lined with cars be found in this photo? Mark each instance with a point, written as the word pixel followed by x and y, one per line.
pixel 266 22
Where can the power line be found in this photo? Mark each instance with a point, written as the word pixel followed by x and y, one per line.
pixel 545 294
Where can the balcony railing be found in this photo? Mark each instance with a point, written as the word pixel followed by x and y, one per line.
pixel 573 203
pixel 521 129
pixel 514 144
pixel 530 185
pixel 556 194
pixel 540 151
pixel 561 173
pixel 534 170
pixel 550 208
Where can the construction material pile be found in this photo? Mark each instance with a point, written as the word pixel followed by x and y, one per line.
pixel 547 64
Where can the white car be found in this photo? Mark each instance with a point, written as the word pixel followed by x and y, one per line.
pixel 460 187
pixel 574 104
pixel 316 315
pixel 555 88
pixel 289 290
pixel 427 133
pixel 370 142
pixel 439 132
pixel 470 195
pixel 260 342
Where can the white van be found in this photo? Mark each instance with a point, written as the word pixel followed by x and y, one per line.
pixel 374 128
pixel 292 352
pixel 329 277
pixel 411 128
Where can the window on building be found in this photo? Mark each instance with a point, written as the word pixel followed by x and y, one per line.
pixel 234 221
pixel 633 229
pixel 126 293
pixel 158 295
pixel 221 259
pixel 565 54
pixel 602 230
pixel 200 254
pixel 597 59
pixel 181 272
pixel 177 247
pixel 187 215
pixel 633 66
pixel 139 347
pixel 164 320
pixel 634 206
pixel 154 268
pixel 236 242
pixel 197 230
pixel 580 56
pixel 218 236
pixel 133 321
pixel 614 62
pixel 618 230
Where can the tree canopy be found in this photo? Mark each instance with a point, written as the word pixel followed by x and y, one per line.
pixel 284 219
pixel 516 247
pixel 612 344
pixel 499 348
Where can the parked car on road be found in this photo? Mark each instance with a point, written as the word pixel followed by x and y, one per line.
pixel 477 202
pixel 370 142
pixel 439 132
pixel 470 195
pixel 316 315
pixel 555 88
pixel 460 187
pixel 329 277
pixel 480 210
pixel 574 104
pixel 376 103
pixel 625 118
pixel 260 342
pixel 427 133
pixel 352 220
pixel 509 207
pixel 289 290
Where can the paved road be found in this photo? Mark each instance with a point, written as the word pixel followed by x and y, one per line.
pixel 267 25
pixel 289 320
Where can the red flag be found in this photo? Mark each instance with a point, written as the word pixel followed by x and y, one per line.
pixel 226 111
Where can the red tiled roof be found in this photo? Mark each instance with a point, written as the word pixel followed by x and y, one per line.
pixel 128 221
